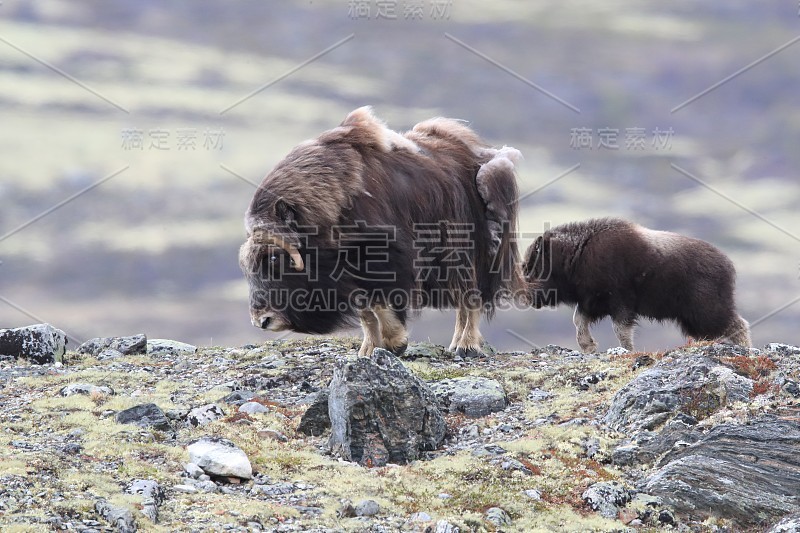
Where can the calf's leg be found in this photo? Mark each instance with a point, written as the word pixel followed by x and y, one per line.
pixel 739 332
pixel 623 329
pixel 584 337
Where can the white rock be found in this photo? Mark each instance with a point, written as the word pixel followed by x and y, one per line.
pixel 252 408
pixel 220 457
pixel 205 414
pixel 193 470
pixel 169 347
pixel 85 388
pixel 185 488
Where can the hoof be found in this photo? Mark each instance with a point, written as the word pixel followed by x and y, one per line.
pixel 469 353
pixel 400 350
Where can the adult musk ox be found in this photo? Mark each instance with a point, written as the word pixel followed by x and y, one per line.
pixel 612 267
pixel 367 223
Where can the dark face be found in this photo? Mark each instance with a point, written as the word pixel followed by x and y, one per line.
pixel 538 271
pixel 290 276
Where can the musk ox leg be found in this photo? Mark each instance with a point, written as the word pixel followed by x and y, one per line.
pixel 623 329
pixel 739 332
pixel 393 331
pixel 469 344
pixel 585 340
pixel 372 332
pixel 461 321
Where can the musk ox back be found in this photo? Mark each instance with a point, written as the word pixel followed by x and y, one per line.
pixel 612 267
pixel 364 223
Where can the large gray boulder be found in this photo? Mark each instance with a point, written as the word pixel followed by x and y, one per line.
pixel 41 343
pixel 683 382
pixel 749 474
pixel 145 415
pixel 380 412
pixel 132 345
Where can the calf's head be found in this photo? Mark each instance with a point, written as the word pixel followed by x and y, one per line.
pixel 539 272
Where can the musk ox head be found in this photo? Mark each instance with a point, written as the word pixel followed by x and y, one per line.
pixel 539 273
pixel 289 258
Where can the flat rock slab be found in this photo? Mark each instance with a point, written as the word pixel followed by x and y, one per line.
pixel 220 457
pixel 145 415
pixel 169 347
pixel 746 473
pixel 380 412
pixel 683 382
pixel 121 519
pixel 132 345
pixel 472 396
pixel 41 343
pixel 86 389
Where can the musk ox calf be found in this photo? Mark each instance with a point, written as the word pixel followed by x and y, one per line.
pixel 612 267
pixel 366 223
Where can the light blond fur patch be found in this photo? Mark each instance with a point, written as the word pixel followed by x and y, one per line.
pixel 385 138
pixel 665 242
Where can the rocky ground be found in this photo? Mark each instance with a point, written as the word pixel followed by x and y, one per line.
pixel 133 434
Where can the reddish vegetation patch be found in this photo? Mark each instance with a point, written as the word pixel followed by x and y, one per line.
pixel 756 368
pixel 236 417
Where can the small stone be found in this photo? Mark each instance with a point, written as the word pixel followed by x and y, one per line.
pixel 192 470
pixel 120 519
pixel 498 517
pixel 236 397
pixel 220 457
pixel 666 517
pixel 488 450
pixel 513 464
pixel 169 347
pixel 444 496
pixel 533 494
pixel 367 508
pixel 73 448
pixel 627 515
pixel 252 408
pixel 473 396
pixel 420 517
pixel 607 498
pixel 85 388
pixel 145 415
pixel 205 414
pixel 184 488
pixel 443 526
pixel 347 510
pixel 135 344
pixel 271 434
pixel 619 350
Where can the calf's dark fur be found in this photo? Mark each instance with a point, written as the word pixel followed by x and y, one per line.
pixel 612 267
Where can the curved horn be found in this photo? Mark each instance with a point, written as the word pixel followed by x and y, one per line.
pixel 267 237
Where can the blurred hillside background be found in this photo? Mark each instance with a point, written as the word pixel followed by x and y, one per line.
pixel 133 132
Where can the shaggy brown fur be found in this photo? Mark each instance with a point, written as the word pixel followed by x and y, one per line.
pixel 443 201
pixel 612 267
